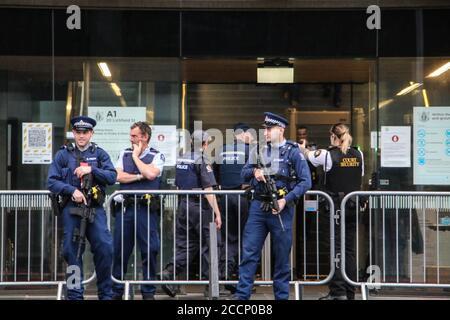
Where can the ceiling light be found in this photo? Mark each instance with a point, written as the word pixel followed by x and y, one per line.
pixel 439 71
pixel 103 66
pixel 407 90
pixel 116 89
pixel 425 98
pixel 275 71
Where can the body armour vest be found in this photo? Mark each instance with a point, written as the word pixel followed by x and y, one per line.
pixel 130 167
pixel 346 171
pixel 187 174
pixel 231 160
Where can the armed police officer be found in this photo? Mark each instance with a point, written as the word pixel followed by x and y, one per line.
pixel 138 168
pixel 280 176
pixel 80 174
pixel 193 172
pixel 344 168
pixel 230 161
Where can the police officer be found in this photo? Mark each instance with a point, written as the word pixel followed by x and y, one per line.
pixel 282 161
pixel 138 168
pixel 71 163
pixel 229 163
pixel 193 172
pixel 344 168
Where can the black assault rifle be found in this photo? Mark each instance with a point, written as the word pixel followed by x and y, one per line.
pixel 271 189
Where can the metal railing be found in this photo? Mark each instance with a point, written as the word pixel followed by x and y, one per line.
pixel 317 203
pixel 403 238
pixel 30 242
pixel 169 210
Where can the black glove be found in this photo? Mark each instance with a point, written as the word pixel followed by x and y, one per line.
pixel 266 206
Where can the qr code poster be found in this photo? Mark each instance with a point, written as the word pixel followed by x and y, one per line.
pixel 36 143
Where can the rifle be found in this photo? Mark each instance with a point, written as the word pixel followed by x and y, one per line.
pixel 271 189
pixel 85 211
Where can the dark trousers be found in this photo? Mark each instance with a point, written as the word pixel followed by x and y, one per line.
pixel 234 216
pixel 148 239
pixel 192 226
pixel 258 226
pixel 338 286
pixel 100 239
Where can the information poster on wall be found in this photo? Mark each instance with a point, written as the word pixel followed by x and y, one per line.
pixel 165 140
pixel 112 132
pixel 36 143
pixel 396 147
pixel 432 145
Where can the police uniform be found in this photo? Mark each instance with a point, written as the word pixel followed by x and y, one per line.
pixel 290 172
pixel 343 174
pixel 193 172
pixel 147 222
pixel 234 208
pixel 63 181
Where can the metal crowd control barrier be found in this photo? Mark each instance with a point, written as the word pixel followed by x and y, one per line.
pixel 317 203
pixel 30 242
pixel 404 242
pixel 168 210
pixel 168 201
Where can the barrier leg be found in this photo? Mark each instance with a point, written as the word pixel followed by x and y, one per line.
pixel 364 291
pixel 127 291
pixel 214 263
pixel 298 291
pixel 60 290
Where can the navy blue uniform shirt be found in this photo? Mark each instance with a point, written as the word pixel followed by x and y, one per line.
pixel 61 178
pixel 230 161
pixel 194 171
pixel 288 155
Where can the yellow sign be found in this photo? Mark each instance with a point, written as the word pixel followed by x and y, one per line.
pixel 36 143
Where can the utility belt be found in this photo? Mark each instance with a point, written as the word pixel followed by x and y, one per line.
pixel 281 193
pixel 59 202
pixel 143 200
pixel 231 188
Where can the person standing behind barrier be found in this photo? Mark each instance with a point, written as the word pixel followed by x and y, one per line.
pixel 70 165
pixel 230 161
pixel 344 168
pixel 289 169
pixel 193 172
pixel 138 168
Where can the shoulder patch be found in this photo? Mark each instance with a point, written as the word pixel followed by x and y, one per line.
pixel 163 158
pixel 317 153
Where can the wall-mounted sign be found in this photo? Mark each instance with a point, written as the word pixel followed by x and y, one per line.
pixel 432 145
pixel 396 147
pixel 165 140
pixel 112 132
pixel 36 143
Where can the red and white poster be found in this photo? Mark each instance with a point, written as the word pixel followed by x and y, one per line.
pixel 396 147
pixel 165 140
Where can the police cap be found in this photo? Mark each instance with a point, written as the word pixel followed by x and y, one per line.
pixel 82 123
pixel 272 120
